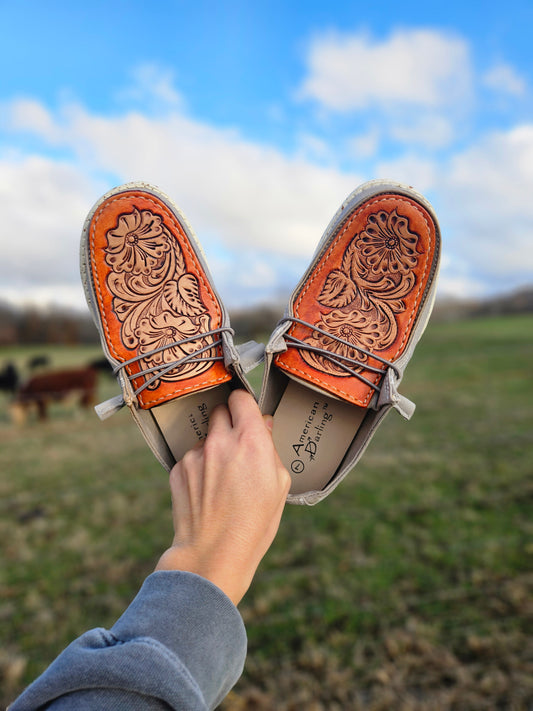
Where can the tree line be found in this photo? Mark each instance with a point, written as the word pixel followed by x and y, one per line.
pixel 32 325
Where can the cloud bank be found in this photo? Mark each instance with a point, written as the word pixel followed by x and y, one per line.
pixel 260 210
pixel 415 68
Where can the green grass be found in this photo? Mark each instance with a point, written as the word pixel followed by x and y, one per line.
pixel 409 588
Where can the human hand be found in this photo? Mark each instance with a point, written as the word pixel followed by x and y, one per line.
pixel 228 496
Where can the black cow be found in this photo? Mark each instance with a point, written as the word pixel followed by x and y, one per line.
pixel 9 379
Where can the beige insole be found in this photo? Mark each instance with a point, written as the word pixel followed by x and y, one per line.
pixel 312 433
pixel 184 421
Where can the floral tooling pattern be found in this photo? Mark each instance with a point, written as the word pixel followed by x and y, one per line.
pixel 156 300
pixel 366 293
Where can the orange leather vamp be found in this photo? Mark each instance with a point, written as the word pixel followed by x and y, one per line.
pixel 365 291
pixel 152 294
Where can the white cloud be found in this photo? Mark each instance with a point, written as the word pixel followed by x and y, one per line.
pixel 412 67
pixel 410 169
pixel 426 130
pixel 43 204
pixel 365 145
pixel 28 115
pixel 44 296
pixel 245 193
pixel 505 79
pixel 313 147
pixel 456 286
pixel 455 278
pixel 487 193
pixel 153 88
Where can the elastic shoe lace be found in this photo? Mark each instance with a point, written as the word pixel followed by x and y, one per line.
pixel 346 363
pixel 193 357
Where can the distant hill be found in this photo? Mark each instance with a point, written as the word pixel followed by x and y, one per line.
pixel 516 302
pixel 29 324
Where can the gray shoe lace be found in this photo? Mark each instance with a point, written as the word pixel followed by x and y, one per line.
pixel 344 362
pixel 189 358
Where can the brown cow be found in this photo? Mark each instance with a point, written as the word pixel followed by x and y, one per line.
pixel 55 386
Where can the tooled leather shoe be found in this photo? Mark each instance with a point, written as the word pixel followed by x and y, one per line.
pixel 162 325
pixel 334 362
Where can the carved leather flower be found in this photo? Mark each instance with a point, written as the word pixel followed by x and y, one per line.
pixel 165 328
pixel 357 329
pixel 137 243
pixel 386 245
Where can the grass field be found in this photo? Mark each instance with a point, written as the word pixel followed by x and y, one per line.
pixel 409 588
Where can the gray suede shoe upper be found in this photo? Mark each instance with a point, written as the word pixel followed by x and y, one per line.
pixel 354 319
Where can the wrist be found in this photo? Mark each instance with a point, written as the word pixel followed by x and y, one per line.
pixel 187 559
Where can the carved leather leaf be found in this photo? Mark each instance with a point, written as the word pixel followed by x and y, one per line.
pixel 183 295
pixel 349 261
pixel 338 290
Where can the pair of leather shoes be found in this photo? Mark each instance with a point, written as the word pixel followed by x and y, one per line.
pixel 332 364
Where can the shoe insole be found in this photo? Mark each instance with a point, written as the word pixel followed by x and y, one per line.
pixel 312 433
pixel 183 422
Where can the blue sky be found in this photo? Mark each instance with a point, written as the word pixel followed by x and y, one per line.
pixel 258 118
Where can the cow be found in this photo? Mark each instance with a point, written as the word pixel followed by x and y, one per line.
pixel 102 365
pixel 54 386
pixel 38 361
pixel 9 378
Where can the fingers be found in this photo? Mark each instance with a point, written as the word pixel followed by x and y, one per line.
pixel 219 420
pixel 227 423
pixel 240 412
pixel 243 409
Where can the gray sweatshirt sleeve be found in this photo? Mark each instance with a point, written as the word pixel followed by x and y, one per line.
pixel 181 644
